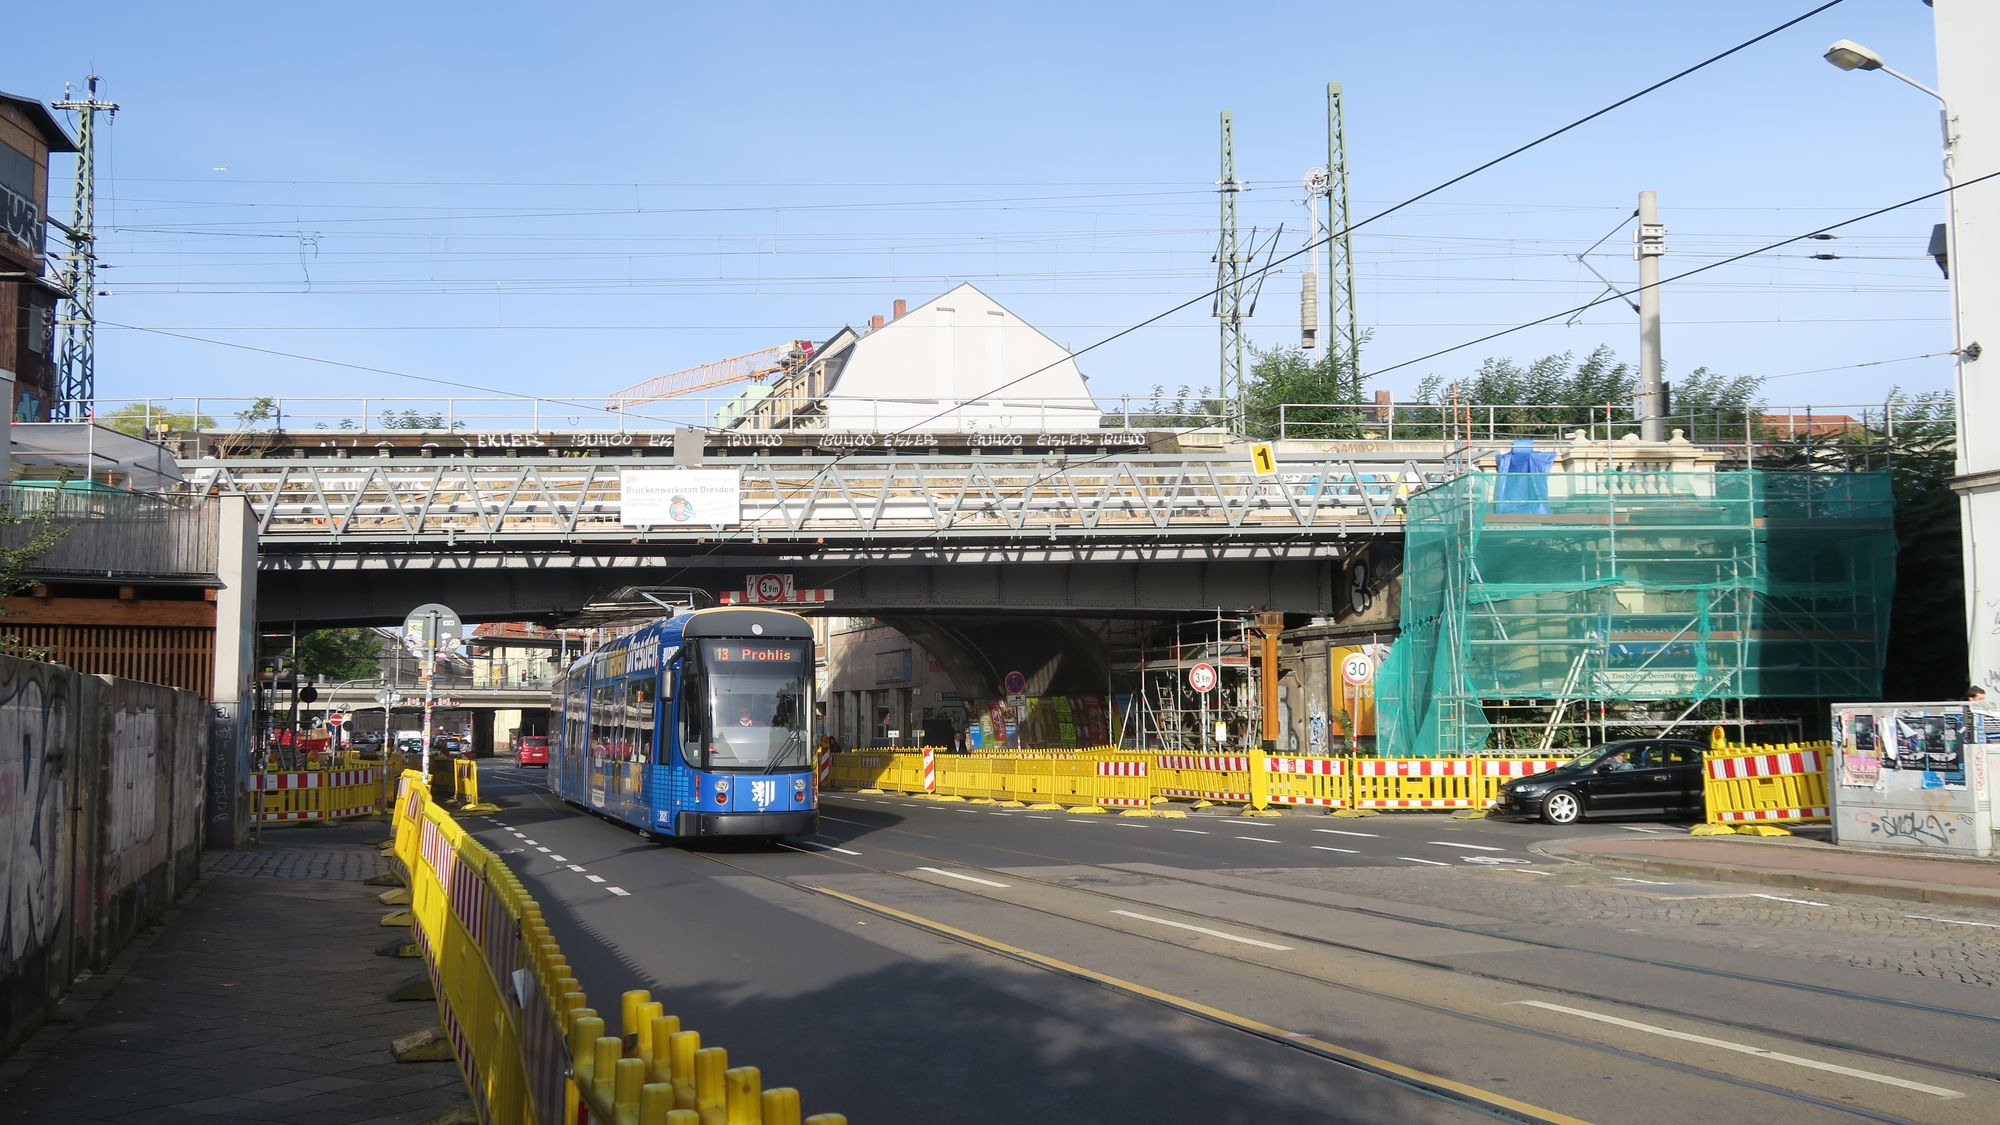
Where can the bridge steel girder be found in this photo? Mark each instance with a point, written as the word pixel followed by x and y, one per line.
pixel 380 589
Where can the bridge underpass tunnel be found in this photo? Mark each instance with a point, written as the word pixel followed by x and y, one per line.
pixel 909 680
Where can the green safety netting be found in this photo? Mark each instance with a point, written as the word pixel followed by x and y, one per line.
pixel 1572 590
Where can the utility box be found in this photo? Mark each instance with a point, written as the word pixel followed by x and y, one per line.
pixel 1915 776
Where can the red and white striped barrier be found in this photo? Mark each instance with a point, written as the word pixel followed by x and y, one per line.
pixel 1375 777
pixel 1765 765
pixel 823 772
pixel 1738 787
pixel 930 770
pixel 1213 763
pixel 314 779
pixel 1121 769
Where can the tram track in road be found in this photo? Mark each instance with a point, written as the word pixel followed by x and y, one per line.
pixel 1447 1090
pixel 1730 975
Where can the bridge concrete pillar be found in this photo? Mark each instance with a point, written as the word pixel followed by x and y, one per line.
pixel 228 799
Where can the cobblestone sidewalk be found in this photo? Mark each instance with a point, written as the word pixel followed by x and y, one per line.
pixel 261 999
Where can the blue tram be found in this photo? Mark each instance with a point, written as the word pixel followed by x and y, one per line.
pixel 695 725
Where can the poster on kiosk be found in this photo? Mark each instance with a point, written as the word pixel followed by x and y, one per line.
pixel 1915 776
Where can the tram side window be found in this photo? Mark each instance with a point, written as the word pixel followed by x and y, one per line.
pixel 574 741
pixel 606 721
pixel 642 697
pixel 692 729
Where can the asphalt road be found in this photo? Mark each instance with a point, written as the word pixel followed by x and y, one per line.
pixel 929 961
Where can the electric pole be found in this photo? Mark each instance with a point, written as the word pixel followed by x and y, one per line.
pixel 1342 322
pixel 1229 282
pixel 77 375
pixel 1649 242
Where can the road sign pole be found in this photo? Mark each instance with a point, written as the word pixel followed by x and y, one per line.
pixel 430 679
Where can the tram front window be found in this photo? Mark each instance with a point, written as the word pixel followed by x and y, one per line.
pixel 756 705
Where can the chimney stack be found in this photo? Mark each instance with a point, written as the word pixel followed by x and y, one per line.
pixel 901 306
pixel 1383 407
pixel 875 323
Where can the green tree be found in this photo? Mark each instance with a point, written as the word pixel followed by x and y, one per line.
pixel 1556 394
pixel 340 654
pixel 1287 386
pixel 144 420
pixel 416 420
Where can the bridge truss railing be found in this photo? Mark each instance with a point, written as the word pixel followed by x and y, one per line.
pixel 804 499
pixel 1500 423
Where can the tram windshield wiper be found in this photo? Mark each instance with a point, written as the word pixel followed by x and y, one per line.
pixel 785 752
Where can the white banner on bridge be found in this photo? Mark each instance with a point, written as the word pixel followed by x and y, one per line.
pixel 664 497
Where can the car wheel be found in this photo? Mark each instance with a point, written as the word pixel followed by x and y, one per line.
pixel 1562 807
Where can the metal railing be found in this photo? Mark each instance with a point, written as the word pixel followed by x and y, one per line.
pixel 108 534
pixel 1507 422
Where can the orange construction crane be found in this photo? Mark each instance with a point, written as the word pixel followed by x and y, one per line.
pixel 756 366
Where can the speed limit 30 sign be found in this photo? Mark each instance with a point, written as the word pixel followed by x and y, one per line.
pixel 1357 668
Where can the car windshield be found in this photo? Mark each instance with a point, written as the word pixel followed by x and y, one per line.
pixel 754 703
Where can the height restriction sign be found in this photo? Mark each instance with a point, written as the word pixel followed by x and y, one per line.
pixel 1201 678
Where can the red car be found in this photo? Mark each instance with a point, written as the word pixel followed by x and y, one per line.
pixel 532 750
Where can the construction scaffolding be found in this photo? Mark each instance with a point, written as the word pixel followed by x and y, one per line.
pixel 1549 610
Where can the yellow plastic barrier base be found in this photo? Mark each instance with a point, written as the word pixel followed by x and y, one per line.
pixel 982 801
pixel 480 808
pixel 947 798
pixel 397 918
pixel 872 792
pixel 1350 814
pixel 1738 830
pixel 417 987
pixel 428 1045
pixel 1469 814
pixel 1045 806
pixel 398 897
pixel 1202 804
pixel 1084 810
pixel 1248 811
pixel 1711 830
pixel 1010 804
pixel 386 879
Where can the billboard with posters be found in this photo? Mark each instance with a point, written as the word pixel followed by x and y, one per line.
pixel 692 497
pixel 1914 775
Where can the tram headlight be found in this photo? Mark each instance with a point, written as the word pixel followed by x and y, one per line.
pixel 798 789
pixel 721 792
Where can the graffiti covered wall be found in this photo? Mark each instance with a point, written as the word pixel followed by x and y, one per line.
pixel 100 823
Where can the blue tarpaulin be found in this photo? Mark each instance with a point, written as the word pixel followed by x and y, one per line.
pixel 1524 480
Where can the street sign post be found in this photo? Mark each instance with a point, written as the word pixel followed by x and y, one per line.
pixel 1357 668
pixel 429 629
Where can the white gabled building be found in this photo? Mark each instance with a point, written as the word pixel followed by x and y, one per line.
pixel 958 363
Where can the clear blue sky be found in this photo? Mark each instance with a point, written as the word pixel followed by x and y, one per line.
pixel 567 199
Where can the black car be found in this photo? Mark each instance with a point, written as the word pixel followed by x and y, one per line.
pixel 451 746
pixel 1640 775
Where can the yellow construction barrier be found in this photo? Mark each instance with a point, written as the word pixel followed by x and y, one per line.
pixel 1744 786
pixel 530 1047
pixel 295 796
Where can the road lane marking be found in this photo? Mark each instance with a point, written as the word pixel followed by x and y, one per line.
pixel 576 867
pixel 1035 816
pixel 541 849
pixel 1129 824
pixel 1343 851
pixel 1233 820
pixel 1470 847
pixel 1338 832
pixel 1223 934
pixel 595 878
pixel 1951 921
pixel 1373 1064
pixel 1795 901
pixel 517 832
pixel 958 875
pixel 559 859
pixel 1746 1049
pixel 1648 882
pixel 1193 831
pixel 829 848
pixel 999 814
pixel 525 840
pixel 1259 839
pixel 618 890
pixel 1432 862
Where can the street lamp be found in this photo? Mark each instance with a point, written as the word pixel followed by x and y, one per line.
pixel 1849 55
